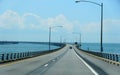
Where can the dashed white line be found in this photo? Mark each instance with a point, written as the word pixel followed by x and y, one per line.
pixel 46 65
pixel 53 60
pixel 94 72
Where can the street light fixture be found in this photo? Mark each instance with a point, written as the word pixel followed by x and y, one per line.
pixel 101 35
pixel 50 28
pixel 79 38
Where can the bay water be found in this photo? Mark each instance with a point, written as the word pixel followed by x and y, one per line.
pixel 107 47
pixel 24 47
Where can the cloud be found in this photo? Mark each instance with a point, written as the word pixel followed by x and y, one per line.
pixel 11 19
pixel 109 26
pixel 90 28
pixel 32 21
pixel 112 25
pixel 59 20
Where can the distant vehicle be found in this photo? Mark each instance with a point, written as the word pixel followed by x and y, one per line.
pixel 70 47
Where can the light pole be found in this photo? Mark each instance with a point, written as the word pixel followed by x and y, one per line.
pixel 101 35
pixel 50 28
pixel 79 38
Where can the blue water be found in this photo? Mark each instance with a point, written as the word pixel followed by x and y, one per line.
pixel 24 47
pixel 107 47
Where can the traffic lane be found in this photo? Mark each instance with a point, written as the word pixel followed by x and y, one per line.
pixel 25 66
pixel 69 64
pixel 40 70
pixel 102 67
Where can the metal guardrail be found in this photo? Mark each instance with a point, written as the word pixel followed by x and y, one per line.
pixel 22 55
pixel 14 56
pixel 17 56
pixel 113 57
pixel 109 56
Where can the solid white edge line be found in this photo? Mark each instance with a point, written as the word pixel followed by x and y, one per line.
pixel 95 73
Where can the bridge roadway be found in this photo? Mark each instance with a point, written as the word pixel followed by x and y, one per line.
pixel 62 62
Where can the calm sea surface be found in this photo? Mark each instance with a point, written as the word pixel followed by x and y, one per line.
pixel 107 47
pixel 24 47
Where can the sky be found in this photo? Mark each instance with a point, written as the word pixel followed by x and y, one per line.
pixel 29 20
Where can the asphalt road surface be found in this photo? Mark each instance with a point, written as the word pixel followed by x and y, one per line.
pixel 69 64
pixel 62 62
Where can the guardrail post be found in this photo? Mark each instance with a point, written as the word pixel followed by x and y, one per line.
pixel 7 56
pixel 107 56
pixel 113 57
pixel 0 57
pixel 14 56
pixel 11 56
pixel 117 58
pixel 20 55
pixel 17 55
pixel 110 57
pixel 3 57
pixel 23 55
pixel 28 54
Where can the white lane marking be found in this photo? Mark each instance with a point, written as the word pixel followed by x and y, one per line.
pixel 46 65
pixel 53 60
pixel 95 73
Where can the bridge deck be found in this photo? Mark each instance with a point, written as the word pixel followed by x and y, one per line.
pixel 62 62
pixel 102 67
pixel 69 64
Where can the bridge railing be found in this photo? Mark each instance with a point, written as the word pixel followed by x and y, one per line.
pixel 110 56
pixel 5 57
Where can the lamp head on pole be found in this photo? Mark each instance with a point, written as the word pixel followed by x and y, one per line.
pixel 88 1
pixel 77 1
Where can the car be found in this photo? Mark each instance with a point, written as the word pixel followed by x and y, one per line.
pixel 70 47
